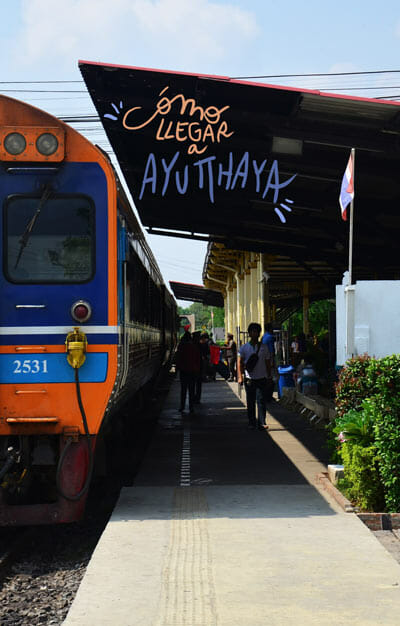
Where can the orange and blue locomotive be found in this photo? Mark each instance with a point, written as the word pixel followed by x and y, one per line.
pixel 85 319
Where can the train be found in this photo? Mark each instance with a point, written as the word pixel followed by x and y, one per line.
pixel 86 321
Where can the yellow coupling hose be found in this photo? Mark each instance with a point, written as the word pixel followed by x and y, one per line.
pixel 76 345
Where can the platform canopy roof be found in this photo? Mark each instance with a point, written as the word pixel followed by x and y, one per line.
pixel 254 166
pixel 197 293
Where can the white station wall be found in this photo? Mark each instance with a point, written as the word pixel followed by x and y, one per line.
pixel 376 319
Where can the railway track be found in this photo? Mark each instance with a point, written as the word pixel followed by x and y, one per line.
pixel 12 542
pixel 41 567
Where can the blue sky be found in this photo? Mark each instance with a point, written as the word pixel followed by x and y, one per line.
pixel 43 40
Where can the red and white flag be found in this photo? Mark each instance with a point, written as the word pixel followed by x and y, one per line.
pixel 347 190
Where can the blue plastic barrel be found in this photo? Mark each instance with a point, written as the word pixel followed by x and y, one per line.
pixel 285 378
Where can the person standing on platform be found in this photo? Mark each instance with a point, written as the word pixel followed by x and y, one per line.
pixel 188 362
pixel 231 356
pixel 301 339
pixel 214 358
pixel 255 372
pixel 215 353
pixel 269 340
pixel 199 375
pixel 294 346
pixel 205 356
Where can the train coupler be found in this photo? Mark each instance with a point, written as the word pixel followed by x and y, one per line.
pixel 75 347
pixel 72 433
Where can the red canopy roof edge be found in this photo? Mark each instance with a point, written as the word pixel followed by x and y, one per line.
pixel 237 81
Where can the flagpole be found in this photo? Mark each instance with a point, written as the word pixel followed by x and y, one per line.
pixel 353 156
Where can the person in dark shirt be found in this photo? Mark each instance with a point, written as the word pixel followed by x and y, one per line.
pixel 199 375
pixel 269 339
pixel 188 362
pixel 231 356
pixel 205 356
pixel 302 342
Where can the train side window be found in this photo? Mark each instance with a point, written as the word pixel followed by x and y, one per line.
pixel 55 244
pixel 137 277
pixel 144 294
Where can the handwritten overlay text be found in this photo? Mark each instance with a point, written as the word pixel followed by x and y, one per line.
pixel 210 173
pixel 207 125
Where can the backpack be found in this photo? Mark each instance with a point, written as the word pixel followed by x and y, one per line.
pixel 252 360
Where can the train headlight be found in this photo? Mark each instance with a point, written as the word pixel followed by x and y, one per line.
pixel 47 144
pixel 15 143
pixel 81 311
pixel 32 144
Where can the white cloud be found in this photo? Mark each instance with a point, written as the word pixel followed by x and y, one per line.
pixel 201 25
pixel 132 31
pixel 344 66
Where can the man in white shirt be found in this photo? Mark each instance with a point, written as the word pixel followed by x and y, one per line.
pixel 255 379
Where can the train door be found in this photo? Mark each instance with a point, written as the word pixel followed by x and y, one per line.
pixel 123 301
pixel 164 322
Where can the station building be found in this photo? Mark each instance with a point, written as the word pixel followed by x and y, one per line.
pixel 257 287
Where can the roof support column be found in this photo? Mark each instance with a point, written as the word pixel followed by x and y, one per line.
pixel 227 307
pixel 247 291
pixel 233 321
pixel 260 292
pixel 265 288
pixel 253 288
pixel 239 304
pixel 306 306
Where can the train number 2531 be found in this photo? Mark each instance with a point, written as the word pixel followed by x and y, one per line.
pixel 30 366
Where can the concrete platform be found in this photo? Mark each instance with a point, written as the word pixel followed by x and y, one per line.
pixel 227 527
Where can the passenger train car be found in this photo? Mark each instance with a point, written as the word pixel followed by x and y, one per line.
pixel 85 318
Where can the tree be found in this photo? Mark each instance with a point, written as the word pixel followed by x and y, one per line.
pixel 203 315
pixel 219 316
pixel 318 316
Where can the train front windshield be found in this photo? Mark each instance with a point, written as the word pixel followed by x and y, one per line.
pixel 49 240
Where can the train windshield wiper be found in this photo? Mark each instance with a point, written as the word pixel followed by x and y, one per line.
pixel 29 227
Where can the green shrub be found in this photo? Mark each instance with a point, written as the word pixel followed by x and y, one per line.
pixel 368 409
pixel 386 403
pixel 385 376
pixel 362 484
pixel 355 385
pixel 356 382
pixel 387 442
pixel 357 427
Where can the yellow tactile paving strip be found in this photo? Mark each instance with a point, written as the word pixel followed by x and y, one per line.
pixel 188 593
